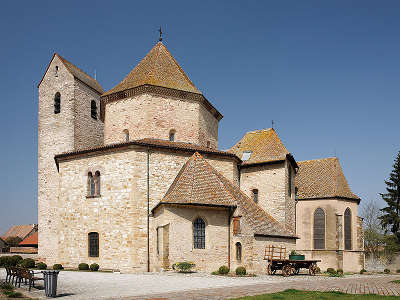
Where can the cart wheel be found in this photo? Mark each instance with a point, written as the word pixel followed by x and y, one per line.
pixel 269 269
pixel 296 271
pixel 286 270
pixel 312 269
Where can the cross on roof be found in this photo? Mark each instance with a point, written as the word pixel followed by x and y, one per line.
pixel 161 33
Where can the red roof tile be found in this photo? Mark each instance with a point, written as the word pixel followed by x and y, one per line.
pixel 19 230
pixel 30 240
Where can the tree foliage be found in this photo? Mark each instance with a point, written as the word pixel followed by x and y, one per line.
pixel 374 239
pixel 390 219
pixel 13 241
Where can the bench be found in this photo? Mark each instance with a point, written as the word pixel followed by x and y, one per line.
pixel 27 276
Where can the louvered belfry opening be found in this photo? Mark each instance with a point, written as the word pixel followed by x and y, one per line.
pixel 319 229
pixel 199 234
pixel 347 229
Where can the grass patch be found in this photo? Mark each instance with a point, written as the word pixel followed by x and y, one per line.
pixel 396 281
pixel 306 295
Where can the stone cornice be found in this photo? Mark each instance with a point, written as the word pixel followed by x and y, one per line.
pixel 159 90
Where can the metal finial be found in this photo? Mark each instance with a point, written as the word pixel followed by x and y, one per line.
pixel 161 33
pixel 272 124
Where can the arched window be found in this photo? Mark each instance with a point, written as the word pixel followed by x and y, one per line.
pixel 57 103
pixel 91 185
pixel 199 234
pixel 126 134
pixel 255 195
pixel 93 238
pixel 172 135
pixel 97 183
pixel 347 229
pixel 93 109
pixel 319 229
pixel 238 252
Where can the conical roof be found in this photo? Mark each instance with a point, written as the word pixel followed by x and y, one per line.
pixel 322 178
pixel 157 68
pixel 199 183
pixel 261 146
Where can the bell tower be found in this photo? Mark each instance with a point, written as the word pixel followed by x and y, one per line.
pixel 69 120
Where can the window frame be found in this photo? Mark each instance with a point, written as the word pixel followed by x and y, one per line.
pixel 93 109
pixel 171 136
pixel 256 195
pixel 199 233
pixel 347 225
pixel 57 103
pixel 322 233
pixel 93 244
pixel 239 252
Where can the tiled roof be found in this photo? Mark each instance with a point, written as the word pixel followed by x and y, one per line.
pixel 265 146
pixel 157 68
pixel 153 143
pixel 81 75
pixel 200 184
pixel 322 178
pixel 30 240
pixel 19 230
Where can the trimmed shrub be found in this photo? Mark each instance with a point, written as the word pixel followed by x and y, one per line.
pixel 3 261
pixel 340 271
pixel 363 271
pixel 183 267
pixel 398 271
pixel 223 270
pixel 94 267
pixel 386 271
pixel 83 267
pixel 27 263
pixel 336 274
pixel 15 260
pixel 58 267
pixel 214 273
pixel 6 286
pixel 41 266
pixel 330 270
pixel 241 271
pixel 318 270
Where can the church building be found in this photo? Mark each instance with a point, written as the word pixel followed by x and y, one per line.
pixel 133 179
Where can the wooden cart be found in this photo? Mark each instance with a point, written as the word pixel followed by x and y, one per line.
pixel 276 258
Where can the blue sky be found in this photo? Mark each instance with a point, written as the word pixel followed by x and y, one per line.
pixel 326 72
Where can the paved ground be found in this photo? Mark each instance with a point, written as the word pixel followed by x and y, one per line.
pixel 89 285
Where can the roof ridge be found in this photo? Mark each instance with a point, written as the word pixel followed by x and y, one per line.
pixel 66 60
pixel 316 159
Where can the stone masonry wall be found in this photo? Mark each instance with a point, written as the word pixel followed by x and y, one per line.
pixel 120 214
pixel 55 135
pixel 153 116
pixel 88 132
pixel 271 184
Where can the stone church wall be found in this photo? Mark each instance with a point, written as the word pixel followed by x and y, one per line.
pixel 88 132
pixel 154 116
pixel 270 182
pixel 334 255
pixel 119 215
pixel 55 135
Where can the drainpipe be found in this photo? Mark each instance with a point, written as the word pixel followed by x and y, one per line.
pixel 148 209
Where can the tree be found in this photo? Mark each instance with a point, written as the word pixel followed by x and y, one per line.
pixel 390 219
pixel 374 239
pixel 13 241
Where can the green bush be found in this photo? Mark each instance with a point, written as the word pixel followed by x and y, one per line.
pixel 241 271
pixel 94 267
pixel 3 261
pixel 330 270
pixel 58 267
pixel 223 270
pixel 398 271
pixel 41 266
pixel 336 274
pixel 183 267
pixel 363 271
pixel 15 260
pixel 386 271
pixel 12 294
pixel 83 267
pixel 340 271
pixel 27 263
pixel 214 273
pixel 6 286
pixel 318 270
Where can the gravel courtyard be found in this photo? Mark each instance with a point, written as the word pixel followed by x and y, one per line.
pixel 90 285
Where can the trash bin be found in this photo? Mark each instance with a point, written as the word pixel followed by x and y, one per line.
pixel 50 283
